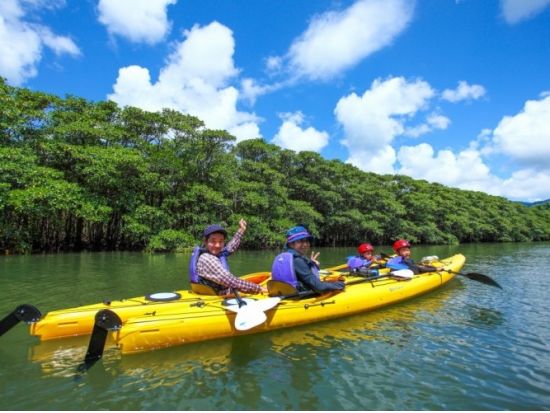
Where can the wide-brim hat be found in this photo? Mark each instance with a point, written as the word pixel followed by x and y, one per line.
pixel 297 233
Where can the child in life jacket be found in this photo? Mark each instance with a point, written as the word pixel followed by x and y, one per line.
pixel 366 263
pixel 402 248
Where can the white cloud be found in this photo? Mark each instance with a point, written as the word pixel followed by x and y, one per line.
pixel 251 90
pixel 59 44
pixel 515 11
pixel 338 40
pixel 433 121
pixel 22 42
pixel 195 80
pixel 373 120
pixel 292 136
pixel 137 20
pixel 380 160
pixel 274 63
pixel 438 121
pixel 464 91
pixel 463 170
pixel 467 170
pixel 527 185
pixel 525 137
pixel 206 54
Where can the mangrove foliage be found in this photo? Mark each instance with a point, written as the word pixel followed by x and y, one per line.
pixel 77 174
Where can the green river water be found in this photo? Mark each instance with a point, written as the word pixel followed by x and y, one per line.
pixel 466 346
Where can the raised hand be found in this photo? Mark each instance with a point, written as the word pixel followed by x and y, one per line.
pixel 242 225
pixel 314 256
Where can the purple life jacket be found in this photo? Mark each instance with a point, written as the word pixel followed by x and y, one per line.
pixel 357 262
pixel 283 270
pixel 197 251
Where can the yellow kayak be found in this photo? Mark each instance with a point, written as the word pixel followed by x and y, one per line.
pixel 208 318
pixel 79 321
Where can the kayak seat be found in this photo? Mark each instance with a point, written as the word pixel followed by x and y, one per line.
pixel 276 288
pixel 202 289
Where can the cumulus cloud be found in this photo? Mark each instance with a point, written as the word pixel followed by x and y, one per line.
pixel 433 121
pixel 463 170
pixel 292 136
pixel 464 91
pixel 525 137
pixel 22 42
pixel 515 11
pixel 137 20
pixel 251 89
pixel 379 160
pixel 467 170
pixel 373 120
pixel 195 80
pixel 527 185
pixel 338 40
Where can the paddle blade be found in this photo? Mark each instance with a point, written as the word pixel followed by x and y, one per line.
pixel 267 304
pixel 249 316
pixel 482 278
pixel 405 274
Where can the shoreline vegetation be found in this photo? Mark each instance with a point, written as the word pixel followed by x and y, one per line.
pixel 79 175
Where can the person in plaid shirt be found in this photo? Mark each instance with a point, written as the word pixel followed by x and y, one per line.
pixel 211 268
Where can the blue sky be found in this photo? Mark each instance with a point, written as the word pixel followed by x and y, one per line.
pixel 451 91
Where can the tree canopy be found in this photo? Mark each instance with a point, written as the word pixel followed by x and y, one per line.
pixel 76 174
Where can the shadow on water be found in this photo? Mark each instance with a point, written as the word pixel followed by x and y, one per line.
pixel 484 317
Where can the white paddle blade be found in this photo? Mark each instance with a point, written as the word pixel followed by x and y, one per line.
pixel 406 274
pixel 266 304
pixel 249 316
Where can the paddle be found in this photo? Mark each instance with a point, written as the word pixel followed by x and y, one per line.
pixel 482 278
pixel 252 313
pixel 248 316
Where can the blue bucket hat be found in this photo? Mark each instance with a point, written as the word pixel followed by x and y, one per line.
pixel 212 229
pixel 297 233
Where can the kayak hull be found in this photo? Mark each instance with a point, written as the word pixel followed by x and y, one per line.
pixel 207 320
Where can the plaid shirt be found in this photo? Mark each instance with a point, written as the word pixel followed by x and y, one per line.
pixel 210 267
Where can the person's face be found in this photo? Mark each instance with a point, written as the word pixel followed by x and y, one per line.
pixel 368 255
pixel 405 252
pixel 302 245
pixel 215 243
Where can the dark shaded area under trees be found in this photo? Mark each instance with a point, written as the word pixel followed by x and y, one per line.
pixel 81 175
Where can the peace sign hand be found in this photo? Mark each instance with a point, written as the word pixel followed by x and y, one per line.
pixel 314 259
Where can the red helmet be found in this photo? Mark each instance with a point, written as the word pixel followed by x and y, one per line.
pixel 361 249
pixel 400 243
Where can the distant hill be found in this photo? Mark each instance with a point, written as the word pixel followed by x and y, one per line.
pixel 531 204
